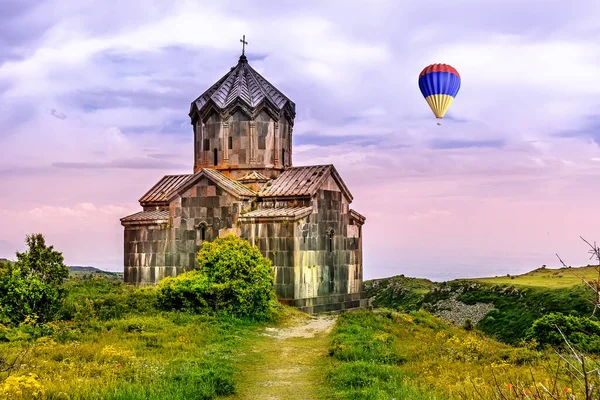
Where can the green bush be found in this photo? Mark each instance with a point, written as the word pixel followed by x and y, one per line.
pixel 233 279
pixel 31 288
pixel 111 298
pixel 583 333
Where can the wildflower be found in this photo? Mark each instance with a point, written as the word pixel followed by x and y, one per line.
pixel 68 322
pixel 117 365
pixel 509 385
pixel 566 390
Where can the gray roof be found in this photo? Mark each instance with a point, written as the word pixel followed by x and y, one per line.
pixel 159 192
pixel 285 213
pixel 224 182
pixel 156 216
pixel 303 181
pixel 242 84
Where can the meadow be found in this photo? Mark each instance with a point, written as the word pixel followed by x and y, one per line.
pixel 115 344
pixel 384 354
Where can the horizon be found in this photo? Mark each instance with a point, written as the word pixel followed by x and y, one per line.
pixel 95 110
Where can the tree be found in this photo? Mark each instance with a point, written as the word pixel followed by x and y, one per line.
pixel 233 278
pixel 31 287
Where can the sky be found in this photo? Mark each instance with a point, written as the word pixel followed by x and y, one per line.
pixel 94 99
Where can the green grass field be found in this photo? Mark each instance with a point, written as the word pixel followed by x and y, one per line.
pixel 385 355
pixel 546 277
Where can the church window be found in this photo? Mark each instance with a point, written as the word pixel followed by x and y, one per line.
pixel 203 232
pixel 230 143
pixel 215 153
pixel 283 157
pixel 330 233
pixel 206 145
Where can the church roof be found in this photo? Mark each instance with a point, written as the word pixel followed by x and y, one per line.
pixel 286 213
pixel 303 181
pixel 148 216
pixel 224 182
pixel 242 84
pixel 227 183
pixel 159 192
pixel 357 217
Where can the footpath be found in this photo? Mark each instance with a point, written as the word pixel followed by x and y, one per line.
pixel 286 363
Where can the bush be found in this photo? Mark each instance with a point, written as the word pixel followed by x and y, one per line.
pixel 31 288
pixel 111 298
pixel 233 279
pixel 582 333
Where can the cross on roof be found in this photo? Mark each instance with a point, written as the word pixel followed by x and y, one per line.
pixel 244 43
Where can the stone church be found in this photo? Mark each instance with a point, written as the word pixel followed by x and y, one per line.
pixel 244 183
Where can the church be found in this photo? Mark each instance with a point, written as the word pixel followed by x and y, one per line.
pixel 244 183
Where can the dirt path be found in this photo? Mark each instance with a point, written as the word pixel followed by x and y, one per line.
pixel 287 363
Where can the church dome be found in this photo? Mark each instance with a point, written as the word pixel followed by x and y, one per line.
pixel 245 89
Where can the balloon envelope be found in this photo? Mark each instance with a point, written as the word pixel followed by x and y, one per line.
pixel 439 84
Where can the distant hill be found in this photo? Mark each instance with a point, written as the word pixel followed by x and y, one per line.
pixel 4 260
pixel 86 270
pixel 503 307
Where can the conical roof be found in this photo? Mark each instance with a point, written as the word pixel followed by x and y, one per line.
pixel 242 85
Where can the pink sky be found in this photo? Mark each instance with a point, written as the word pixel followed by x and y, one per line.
pixel 93 111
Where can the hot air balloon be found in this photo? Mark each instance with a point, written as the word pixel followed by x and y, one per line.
pixel 439 84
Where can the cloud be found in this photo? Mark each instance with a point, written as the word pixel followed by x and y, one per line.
pixel 57 114
pixel 589 128
pixel 463 144
pixel 429 214
pixel 124 164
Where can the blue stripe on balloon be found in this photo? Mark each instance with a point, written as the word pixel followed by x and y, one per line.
pixel 439 83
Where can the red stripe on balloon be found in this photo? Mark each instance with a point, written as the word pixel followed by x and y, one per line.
pixel 439 68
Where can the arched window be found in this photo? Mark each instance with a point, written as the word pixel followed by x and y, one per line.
pixel 202 227
pixel 215 157
pixel 330 233
pixel 283 157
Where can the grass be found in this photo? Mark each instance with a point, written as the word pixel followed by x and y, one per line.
pixel 546 277
pixel 383 354
pixel 159 356
pixel 104 351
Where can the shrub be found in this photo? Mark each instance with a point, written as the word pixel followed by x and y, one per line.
pixel 468 325
pixel 110 298
pixel 233 279
pixel 582 333
pixel 31 287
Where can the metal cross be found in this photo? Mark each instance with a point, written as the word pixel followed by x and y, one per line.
pixel 244 43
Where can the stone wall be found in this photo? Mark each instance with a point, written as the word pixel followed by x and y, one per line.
pixel 203 212
pixel 146 254
pixel 329 256
pixel 276 241
pixel 242 143
pixel 316 256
